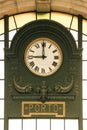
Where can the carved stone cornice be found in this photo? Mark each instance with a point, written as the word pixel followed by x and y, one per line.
pixel 43 5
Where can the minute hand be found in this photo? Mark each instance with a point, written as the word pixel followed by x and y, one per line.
pixel 43 49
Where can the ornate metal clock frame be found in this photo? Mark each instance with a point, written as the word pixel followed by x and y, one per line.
pixel 34 88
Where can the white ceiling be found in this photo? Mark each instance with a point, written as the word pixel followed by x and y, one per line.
pixel 9 7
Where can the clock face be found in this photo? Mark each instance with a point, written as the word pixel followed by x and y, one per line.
pixel 43 57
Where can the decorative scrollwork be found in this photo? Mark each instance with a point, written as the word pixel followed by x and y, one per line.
pixel 44 91
pixel 57 89
pixel 63 89
pixel 22 89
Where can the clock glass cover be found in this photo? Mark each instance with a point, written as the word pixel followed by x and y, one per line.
pixel 43 57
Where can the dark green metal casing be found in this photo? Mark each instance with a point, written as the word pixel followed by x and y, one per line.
pixel 63 87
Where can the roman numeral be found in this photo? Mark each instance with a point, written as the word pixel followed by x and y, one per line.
pixel 50 46
pixel 32 64
pixel 42 70
pixel 56 57
pixel 54 51
pixel 31 51
pixel 54 64
pixel 30 57
pixel 36 69
pixel 43 44
pixel 37 45
pixel 50 69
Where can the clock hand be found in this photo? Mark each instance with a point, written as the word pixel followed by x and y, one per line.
pixel 43 50
pixel 31 56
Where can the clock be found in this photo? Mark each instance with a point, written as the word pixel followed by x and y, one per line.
pixel 43 56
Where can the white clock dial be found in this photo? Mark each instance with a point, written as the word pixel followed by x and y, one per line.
pixel 43 57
